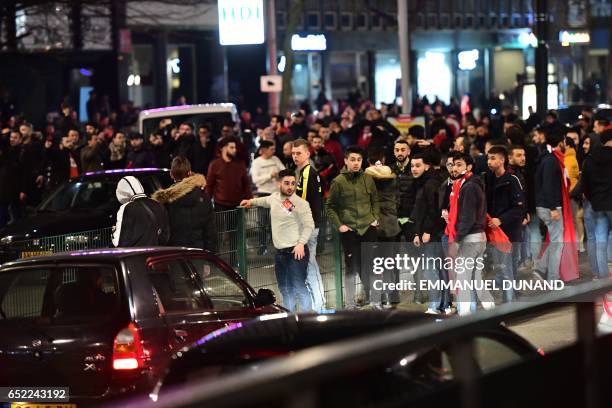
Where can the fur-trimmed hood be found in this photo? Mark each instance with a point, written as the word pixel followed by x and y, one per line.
pixel 180 189
pixel 380 171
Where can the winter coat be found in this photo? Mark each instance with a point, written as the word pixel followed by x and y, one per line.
pixel 116 157
pixel 202 156
pixel 548 180
pixel 472 210
pixel 190 213
pixel 326 166
pixel 184 146
pixel 140 220
pixel 385 181
pixel 92 158
pixel 597 178
pixel 426 212
pixel 353 201
pixel 142 158
pixel 506 201
pixel 162 156
pixel 59 161
pixel 405 190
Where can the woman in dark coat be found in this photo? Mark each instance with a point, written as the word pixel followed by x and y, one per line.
pixel 190 210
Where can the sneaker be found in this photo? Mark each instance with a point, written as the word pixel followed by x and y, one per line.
pixel 488 305
pixel 448 311
pixel 432 312
pixel 373 306
pixel 537 275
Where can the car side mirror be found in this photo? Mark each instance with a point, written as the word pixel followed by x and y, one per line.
pixel 265 297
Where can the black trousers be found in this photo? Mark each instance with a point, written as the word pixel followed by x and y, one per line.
pixel 351 245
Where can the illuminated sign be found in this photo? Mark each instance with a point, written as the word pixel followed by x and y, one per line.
pixel 312 42
pixel 241 22
pixel 467 60
pixel 574 37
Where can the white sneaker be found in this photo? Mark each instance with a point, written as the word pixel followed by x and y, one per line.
pixel 488 305
pixel 432 312
pixel 448 311
pixel 464 308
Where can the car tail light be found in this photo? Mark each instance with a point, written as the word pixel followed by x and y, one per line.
pixel 607 303
pixel 128 352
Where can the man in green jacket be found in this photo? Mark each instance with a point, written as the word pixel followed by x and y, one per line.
pixel 352 206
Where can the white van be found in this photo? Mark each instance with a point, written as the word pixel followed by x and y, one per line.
pixel 215 115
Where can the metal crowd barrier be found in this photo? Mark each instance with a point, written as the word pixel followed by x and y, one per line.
pixel 244 241
pixel 572 376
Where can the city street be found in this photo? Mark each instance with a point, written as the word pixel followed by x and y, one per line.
pixel 273 203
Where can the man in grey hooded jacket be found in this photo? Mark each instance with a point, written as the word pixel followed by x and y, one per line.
pixel 140 220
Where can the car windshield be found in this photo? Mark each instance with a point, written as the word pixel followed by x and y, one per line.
pixel 89 195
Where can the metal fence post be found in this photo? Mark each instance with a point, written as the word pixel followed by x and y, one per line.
pixel 241 237
pixel 337 254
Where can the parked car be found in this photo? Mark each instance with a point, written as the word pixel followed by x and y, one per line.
pixel 214 115
pixel 87 202
pixel 106 322
pixel 246 346
pixel 605 321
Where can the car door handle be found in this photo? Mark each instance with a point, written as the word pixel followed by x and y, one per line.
pixel 181 334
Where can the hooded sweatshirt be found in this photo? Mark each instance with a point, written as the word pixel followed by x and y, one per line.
pixel 140 220
pixel 190 213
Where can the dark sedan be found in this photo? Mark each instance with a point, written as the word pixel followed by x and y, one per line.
pixel 84 203
pixel 247 345
pixel 105 322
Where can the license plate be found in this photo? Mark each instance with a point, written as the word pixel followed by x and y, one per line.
pixel 41 405
pixel 30 254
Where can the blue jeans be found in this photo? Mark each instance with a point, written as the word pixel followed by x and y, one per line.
pixel 589 228
pixel 551 259
pixel 505 271
pixel 313 277
pixel 438 299
pixel 534 237
pixel 603 225
pixel 473 246
pixel 291 278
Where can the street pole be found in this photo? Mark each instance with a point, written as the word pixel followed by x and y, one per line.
pixel 272 69
pixel 541 57
pixel 404 52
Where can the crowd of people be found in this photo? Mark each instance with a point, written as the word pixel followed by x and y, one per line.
pixel 446 188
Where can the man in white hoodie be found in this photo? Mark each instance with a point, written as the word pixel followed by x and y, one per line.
pixel 140 220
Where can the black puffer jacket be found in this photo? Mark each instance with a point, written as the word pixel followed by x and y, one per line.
pixel 190 212
pixel 405 189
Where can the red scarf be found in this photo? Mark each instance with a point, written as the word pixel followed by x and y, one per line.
pixel 569 257
pixel 454 208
